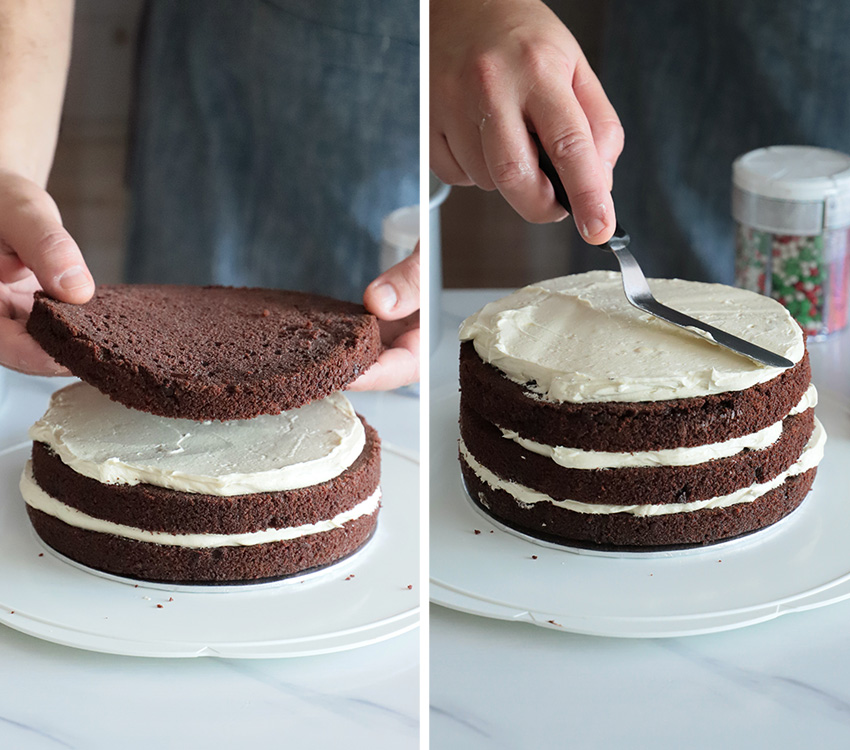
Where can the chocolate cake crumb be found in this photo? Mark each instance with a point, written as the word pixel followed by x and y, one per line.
pixel 157 508
pixel 157 563
pixel 628 426
pixel 204 352
pixel 623 531
pixel 633 485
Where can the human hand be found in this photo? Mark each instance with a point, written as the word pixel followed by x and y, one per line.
pixel 36 252
pixel 500 69
pixel 394 298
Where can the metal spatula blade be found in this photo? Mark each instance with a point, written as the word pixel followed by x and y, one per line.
pixel 637 288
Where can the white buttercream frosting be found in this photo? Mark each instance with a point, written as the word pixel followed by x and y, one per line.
pixel 577 339
pixel 525 496
pixel 103 440
pixel 37 498
pixel 576 458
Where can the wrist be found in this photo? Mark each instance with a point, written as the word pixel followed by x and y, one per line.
pixel 18 171
pixel 25 167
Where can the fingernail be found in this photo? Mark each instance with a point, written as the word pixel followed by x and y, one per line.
pixel 386 296
pixel 73 278
pixel 593 227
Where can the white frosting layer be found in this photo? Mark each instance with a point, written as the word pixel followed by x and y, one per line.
pixel 37 498
pixel 525 496
pixel 106 441
pixel 579 340
pixel 576 458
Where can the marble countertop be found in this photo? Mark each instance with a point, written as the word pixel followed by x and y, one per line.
pixel 497 684
pixel 52 696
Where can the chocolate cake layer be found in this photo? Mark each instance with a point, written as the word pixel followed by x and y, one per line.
pixel 208 352
pixel 649 425
pixel 219 565
pixel 551 523
pixel 633 485
pixel 145 506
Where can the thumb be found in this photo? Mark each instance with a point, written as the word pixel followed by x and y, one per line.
pixel 31 227
pixel 395 293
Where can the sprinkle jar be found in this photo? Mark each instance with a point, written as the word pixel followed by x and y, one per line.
pixel 791 205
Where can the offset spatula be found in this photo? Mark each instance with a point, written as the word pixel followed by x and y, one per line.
pixel 637 289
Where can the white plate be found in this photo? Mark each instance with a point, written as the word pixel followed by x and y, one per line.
pixel 801 564
pixel 44 596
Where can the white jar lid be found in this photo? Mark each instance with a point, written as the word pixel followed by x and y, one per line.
pixel 793 173
pixel 401 228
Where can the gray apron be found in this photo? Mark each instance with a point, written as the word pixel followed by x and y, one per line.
pixel 270 138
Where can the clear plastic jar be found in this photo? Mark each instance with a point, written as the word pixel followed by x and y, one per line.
pixel 791 205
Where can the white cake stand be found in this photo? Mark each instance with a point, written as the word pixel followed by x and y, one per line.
pixel 802 562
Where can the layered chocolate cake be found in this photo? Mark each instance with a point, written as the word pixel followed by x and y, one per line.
pixel 587 422
pixel 206 499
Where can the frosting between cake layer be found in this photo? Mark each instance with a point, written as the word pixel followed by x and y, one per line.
pixel 525 496
pixel 108 442
pixel 37 498
pixel 577 339
pixel 576 458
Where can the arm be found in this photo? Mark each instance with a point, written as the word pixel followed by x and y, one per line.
pixel 35 250
pixel 500 68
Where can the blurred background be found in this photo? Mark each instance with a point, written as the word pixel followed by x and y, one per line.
pixel 480 232
pixel 87 180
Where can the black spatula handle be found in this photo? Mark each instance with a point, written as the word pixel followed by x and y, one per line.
pixel 620 238
pixel 548 168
